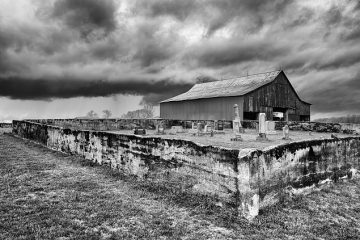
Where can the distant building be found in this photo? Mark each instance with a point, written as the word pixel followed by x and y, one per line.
pixel 269 92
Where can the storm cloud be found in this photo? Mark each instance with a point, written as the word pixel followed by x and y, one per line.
pixel 43 89
pixel 86 16
pixel 156 49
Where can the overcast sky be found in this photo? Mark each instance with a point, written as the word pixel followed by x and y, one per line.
pixel 63 58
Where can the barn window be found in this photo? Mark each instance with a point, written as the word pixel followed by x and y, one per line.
pixel 278 116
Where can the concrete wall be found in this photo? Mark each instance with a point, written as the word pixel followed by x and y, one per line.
pixel 246 179
pixel 207 170
pixel 301 164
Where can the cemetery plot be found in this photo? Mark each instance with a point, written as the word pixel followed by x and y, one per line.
pixel 248 138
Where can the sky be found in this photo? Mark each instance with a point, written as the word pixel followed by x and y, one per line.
pixel 63 58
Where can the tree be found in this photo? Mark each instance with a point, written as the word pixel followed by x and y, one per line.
pixel 92 114
pixel 107 113
pixel 146 112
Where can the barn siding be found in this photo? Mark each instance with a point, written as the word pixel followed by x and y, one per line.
pixel 221 108
pixel 278 93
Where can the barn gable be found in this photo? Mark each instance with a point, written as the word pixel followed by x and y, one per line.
pixel 269 92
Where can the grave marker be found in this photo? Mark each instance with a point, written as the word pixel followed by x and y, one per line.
pixel 139 131
pixel 176 129
pixel 160 129
pixel 208 129
pixel 262 128
pixel 219 125
pixel 237 128
pixel 270 127
pixel 286 135
pixel 193 130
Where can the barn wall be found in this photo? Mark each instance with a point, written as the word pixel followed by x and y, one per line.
pixel 202 109
pixel 279 94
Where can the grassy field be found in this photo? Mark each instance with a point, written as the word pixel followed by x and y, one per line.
pixel 50 195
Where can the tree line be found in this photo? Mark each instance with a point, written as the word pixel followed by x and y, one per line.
pixel 146 112
pixel 343 119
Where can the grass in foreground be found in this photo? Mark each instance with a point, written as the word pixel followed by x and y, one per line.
pixel 50 195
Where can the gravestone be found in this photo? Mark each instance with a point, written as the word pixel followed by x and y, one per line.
pixel 286 134
pixel 176 129
pixel 262 128
pixel 208 128
pixel 160 129
pixel 193 130
pixel 237 128
pixel 139 131
pixel 219 125
pixel 270 127
pixel 200 129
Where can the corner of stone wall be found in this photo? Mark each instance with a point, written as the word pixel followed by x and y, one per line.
pixel 248 188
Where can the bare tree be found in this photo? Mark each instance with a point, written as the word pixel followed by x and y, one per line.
pixel 146 112
pixel 92 114
pixel 107 113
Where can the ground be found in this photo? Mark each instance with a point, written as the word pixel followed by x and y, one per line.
pixel 249 138
pixel 51 195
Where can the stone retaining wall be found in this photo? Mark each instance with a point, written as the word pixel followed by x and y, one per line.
pixel 201 169
pixel 247 179
pixel 300 164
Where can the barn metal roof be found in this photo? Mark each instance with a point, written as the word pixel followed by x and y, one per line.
pixel 226 88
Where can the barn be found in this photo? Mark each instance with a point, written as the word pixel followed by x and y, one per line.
pixel 270 93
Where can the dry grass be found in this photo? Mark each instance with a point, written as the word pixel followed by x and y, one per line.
pixel 50 195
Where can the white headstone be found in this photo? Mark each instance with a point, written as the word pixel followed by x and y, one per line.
pixel 286 132
pixel 207 128
pixel 176 129
pixel 262 124
pixel 236 112
pixel 270 127
pixel 237 128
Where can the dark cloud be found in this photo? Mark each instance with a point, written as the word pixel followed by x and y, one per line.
pixel 205 79
pixel 150 48
pixel 45 89
pixel 221 54
pixel 178 9
pixel 335 94
pixel 257 12
pixel 86 16
pixel 301 17
pixel 151 40
pixel 217 14
pixel 333 16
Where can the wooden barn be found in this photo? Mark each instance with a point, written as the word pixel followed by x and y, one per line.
pixel 270 93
